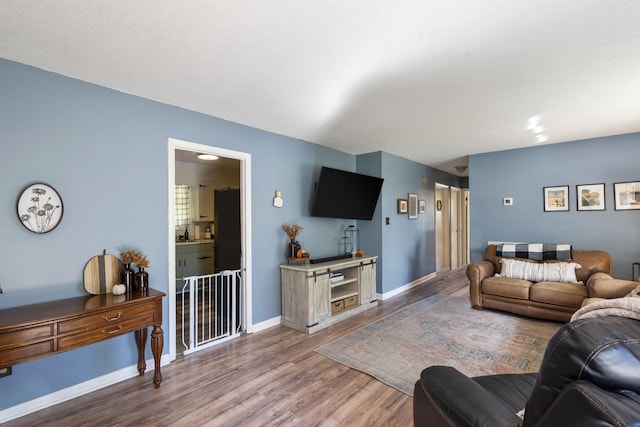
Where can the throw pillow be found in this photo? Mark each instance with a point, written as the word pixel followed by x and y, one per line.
pixel 564 272
pixel 536 251
pixel 634 293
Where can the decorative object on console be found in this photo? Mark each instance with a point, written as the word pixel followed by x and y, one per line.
pixel 351 239
pixel 101 273
pixel 556 199
pixel 590 197
pixel 126 274
pixel 626 195
pixel 40 208
pixel 118 289
pixel 141 278
pixel 293 247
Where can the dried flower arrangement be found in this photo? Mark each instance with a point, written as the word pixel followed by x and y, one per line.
pixel 139 259
pixel 292 230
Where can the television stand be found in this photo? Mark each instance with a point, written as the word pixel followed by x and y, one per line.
pixel 315 296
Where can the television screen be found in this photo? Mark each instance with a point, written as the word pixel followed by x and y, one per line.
pixel 348 195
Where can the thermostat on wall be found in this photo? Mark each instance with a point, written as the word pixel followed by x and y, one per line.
pixel 507 201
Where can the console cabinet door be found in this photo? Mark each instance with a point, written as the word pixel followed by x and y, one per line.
pixel 367 282
pixel 320 296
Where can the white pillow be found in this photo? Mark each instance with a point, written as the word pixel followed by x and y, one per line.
pixel 564 272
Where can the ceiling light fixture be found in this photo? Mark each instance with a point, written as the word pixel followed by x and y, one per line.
pixel 461 168
pixel 207 157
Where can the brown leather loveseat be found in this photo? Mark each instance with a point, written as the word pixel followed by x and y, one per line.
pixel 543 299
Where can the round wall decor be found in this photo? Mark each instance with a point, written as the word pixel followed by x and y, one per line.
pixel 40 208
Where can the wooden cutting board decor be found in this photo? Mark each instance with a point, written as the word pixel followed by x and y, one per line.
pixel 101 273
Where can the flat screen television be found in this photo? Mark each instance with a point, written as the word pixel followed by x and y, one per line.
pixel 347 195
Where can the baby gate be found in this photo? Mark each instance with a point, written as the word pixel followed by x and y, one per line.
pixel 210 309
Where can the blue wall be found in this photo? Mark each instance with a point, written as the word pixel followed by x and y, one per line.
pixel 523 173
pixel 106 154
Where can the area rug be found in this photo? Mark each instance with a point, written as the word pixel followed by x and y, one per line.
pixel 442 330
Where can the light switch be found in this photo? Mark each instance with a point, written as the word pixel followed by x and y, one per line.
pixel 507 201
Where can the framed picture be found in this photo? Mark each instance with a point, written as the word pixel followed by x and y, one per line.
pixel 626 195
pixel 402 206
pixel 413 206
pixel 556 199
pixel 40 208
pixel 422 206
pixel 590 197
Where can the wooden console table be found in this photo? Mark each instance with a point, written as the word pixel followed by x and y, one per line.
pixel 40 330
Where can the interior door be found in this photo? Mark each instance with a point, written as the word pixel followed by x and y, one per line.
pixel 442 222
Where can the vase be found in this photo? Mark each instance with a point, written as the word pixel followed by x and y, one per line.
pixel 141 281
pixel 126 277
pixel 292 249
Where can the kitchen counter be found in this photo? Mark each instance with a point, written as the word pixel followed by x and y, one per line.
pixel 193 242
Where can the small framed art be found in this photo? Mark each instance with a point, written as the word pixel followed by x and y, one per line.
pixel 556 199
pixel 590 197
pixel 626 195
pixel 422 206
pixel 413 206
pixel 402 206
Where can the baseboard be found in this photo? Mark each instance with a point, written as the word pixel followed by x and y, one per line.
pixel 404 288
pixel 269 323
pixel 77 390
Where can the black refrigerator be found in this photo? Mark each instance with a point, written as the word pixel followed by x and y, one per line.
pixel 226 230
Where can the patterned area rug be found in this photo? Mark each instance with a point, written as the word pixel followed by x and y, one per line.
pixel 443 330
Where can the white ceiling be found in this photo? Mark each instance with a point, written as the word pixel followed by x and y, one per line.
pixel 428 80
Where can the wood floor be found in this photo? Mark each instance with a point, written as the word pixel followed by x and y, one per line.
pixel 270 378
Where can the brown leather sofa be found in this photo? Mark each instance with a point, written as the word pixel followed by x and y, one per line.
pixel 544 300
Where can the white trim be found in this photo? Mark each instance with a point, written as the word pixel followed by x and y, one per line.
pixel 77 390
pixel 245 212
pixel 266 324
pixel 401 289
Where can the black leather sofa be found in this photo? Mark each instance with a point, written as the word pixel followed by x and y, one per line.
pixel 590 375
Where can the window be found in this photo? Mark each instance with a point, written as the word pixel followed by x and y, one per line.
pixel 183 207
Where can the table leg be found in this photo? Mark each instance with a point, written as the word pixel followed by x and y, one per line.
pixel 141 342
pixel 157 342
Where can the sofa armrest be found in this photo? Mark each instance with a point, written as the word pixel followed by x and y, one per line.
pixel 602 285
pixel 445 396
pixel 476 273
pixel 583 404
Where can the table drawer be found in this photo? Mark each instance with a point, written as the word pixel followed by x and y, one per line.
pixel 10 338
pixel 18 354
pixel 107 330
pixel 105 319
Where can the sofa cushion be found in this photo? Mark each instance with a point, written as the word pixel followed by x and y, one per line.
pixel 506 287
pixel 564 294
pixel 563 272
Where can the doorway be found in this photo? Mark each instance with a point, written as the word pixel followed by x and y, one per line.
pixel 451 227
pixel 176 149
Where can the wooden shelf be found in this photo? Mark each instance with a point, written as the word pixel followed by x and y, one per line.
pixel 338 294
pixel 343 282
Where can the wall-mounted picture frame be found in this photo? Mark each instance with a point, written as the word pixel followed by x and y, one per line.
pixel 422 206
pixel 402 206
pixel 413 206
pixel 626 195
pixel 556 199
pixel 590 197
pixel 39 208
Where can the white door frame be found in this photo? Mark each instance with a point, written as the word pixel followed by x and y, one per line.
pixel 245 215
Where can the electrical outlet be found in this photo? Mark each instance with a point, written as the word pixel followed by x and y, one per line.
pixel 5 372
